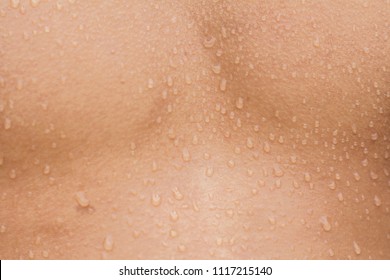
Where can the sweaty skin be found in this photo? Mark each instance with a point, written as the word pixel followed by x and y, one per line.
pixel 194 129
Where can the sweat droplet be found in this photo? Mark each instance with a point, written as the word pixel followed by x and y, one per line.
pixel 307 177
pixel 46 169
pixel 377 201
pixel 266 147
pixel 82 199
pixel 7 123
pixel 332 185
pixel 173 233
pixel 34 3
pixel 278 172
pixel 177 194
pixel 12 174
pixel 108 243
pixel 222 84
pixel 231 163
pixel 331 252
pixel 216 68
pixel 45 254
pixel 373 175
pixel 15 3
pixel 250 142
pixel 150 83
pixel 156 199
pixel 325 223
pixel 181 248
pixel 356 175
pixel 356 248
pixel 186 154
pixel 239 103
pixel 209 171
pixel 316 42
pixel 209 42
pixel 173 216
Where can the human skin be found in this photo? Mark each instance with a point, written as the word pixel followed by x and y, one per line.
pixel 194 130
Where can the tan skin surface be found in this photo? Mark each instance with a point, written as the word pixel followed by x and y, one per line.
pixel 194 130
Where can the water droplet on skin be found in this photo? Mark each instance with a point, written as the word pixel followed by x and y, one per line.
pixel 171 133
pixel 374 136
pixel 173 233
pixel 240 103
pixel 373 175
pixel 271 220
pixel 231 163
pixel 278 172
pixel 332 185
pixel 15 3
pixel 266 147
pixel 31 254
pixel 293 159
pixel 216 68
pixel 164 94
pixel 108 243
pixel 186 155
pixel 3 228
pixel 209 42
pixel 45 254
pixel 188 79
pixel 177 194
pixel 331 252
pixel 222 84
pixel 46 169
pixel 340 196
pixel 325 223
pixel 34 3
pixel 261 183
pixel 209 171
pixel 354 129
pixel 377 201
pixel 12 174
pixel 181 248
pixel 356 175
pixel 250 142
pixel 150 83
pixel 295 184
pixel 156 200
pixel 7 123
pixel 82 199
pixel 365 162
pixel 356 248
pixel 316 42
pixel 169 81
pixel 229 213
pixel 173 216
pixel 307 177
pixel 154 166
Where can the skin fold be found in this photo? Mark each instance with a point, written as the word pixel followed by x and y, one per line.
pixel 194 129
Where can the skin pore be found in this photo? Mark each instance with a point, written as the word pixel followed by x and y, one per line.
pixel 194 130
